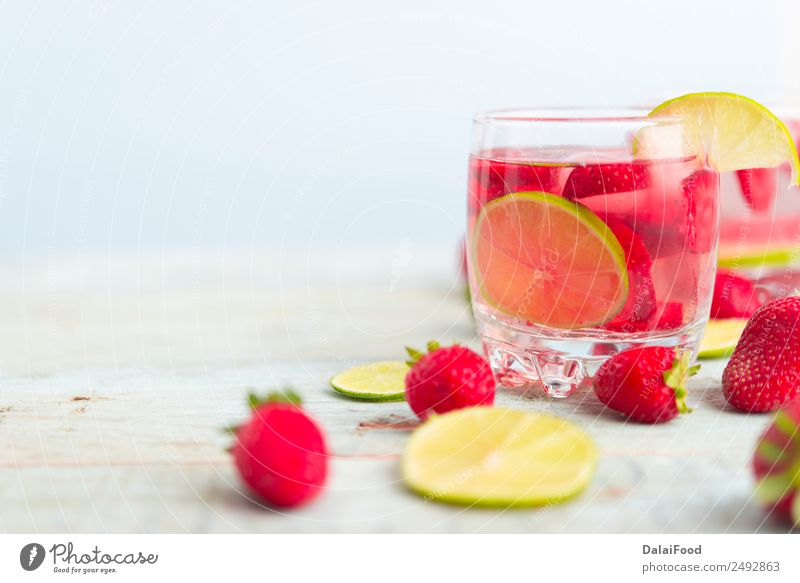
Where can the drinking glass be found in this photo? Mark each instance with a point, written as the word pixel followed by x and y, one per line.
pixel 589 232
pixel 760 223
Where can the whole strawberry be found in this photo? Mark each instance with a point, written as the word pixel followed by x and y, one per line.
pixel 734 296
pixel 645 384
pixel 447 378
pixel 763 373
pixel 776 464
pixel 280 451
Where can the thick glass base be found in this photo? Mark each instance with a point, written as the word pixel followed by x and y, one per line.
pixel 529 356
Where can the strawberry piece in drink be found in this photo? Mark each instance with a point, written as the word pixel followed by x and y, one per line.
pixel 599 179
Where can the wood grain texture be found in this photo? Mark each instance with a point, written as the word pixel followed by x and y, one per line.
pixel 118 375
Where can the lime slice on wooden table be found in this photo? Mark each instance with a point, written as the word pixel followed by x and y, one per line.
pixel 490 456
pixel 544 259
pixel 377 381
pixel 734 132
pixel 721 337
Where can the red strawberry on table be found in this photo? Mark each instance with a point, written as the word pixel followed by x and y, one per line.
pixel 734 296
pixel 447 378
pixel 759 187
pixel 280 451
pixel 596 179
pixel 645 384
pixel 763 373
pixel 640 306
pixel 776 464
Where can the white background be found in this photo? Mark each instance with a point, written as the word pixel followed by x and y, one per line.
pixel 138 125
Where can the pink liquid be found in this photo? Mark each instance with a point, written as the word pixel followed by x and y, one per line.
pixel 663 214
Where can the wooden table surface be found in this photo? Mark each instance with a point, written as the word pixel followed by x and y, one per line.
pixel 119 370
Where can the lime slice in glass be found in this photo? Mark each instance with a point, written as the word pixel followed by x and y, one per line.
pixel 490 456
pixel 377 381
pixel 734 132
pixel 542 258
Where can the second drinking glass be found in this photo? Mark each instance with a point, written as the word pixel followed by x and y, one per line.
pixel 588 233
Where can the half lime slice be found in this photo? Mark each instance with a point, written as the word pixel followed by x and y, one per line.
pixel 377 381
pixel 490 456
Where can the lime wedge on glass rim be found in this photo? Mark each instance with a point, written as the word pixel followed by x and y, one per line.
pixel 733 132
pixel 491 456
pixel 377 381
pixel 720 337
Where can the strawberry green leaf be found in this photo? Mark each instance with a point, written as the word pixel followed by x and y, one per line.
pixel 786 424
pixel 769 452
pixel 772 488
pixel 287 395
pixel 414 354
pixel 676 377
pixel 796 509
pixel 253 400
pixel 433 346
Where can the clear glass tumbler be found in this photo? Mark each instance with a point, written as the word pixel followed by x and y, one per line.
pixel 760 223
pixel 589 232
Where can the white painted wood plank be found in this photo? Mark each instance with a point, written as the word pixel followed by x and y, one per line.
pixel 145 453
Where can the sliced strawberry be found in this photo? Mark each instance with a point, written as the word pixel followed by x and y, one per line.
pixel 759 187
pixel 734 296
pixel 641 303
pixel 595 179
pixel 491 179
pixel 700 194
